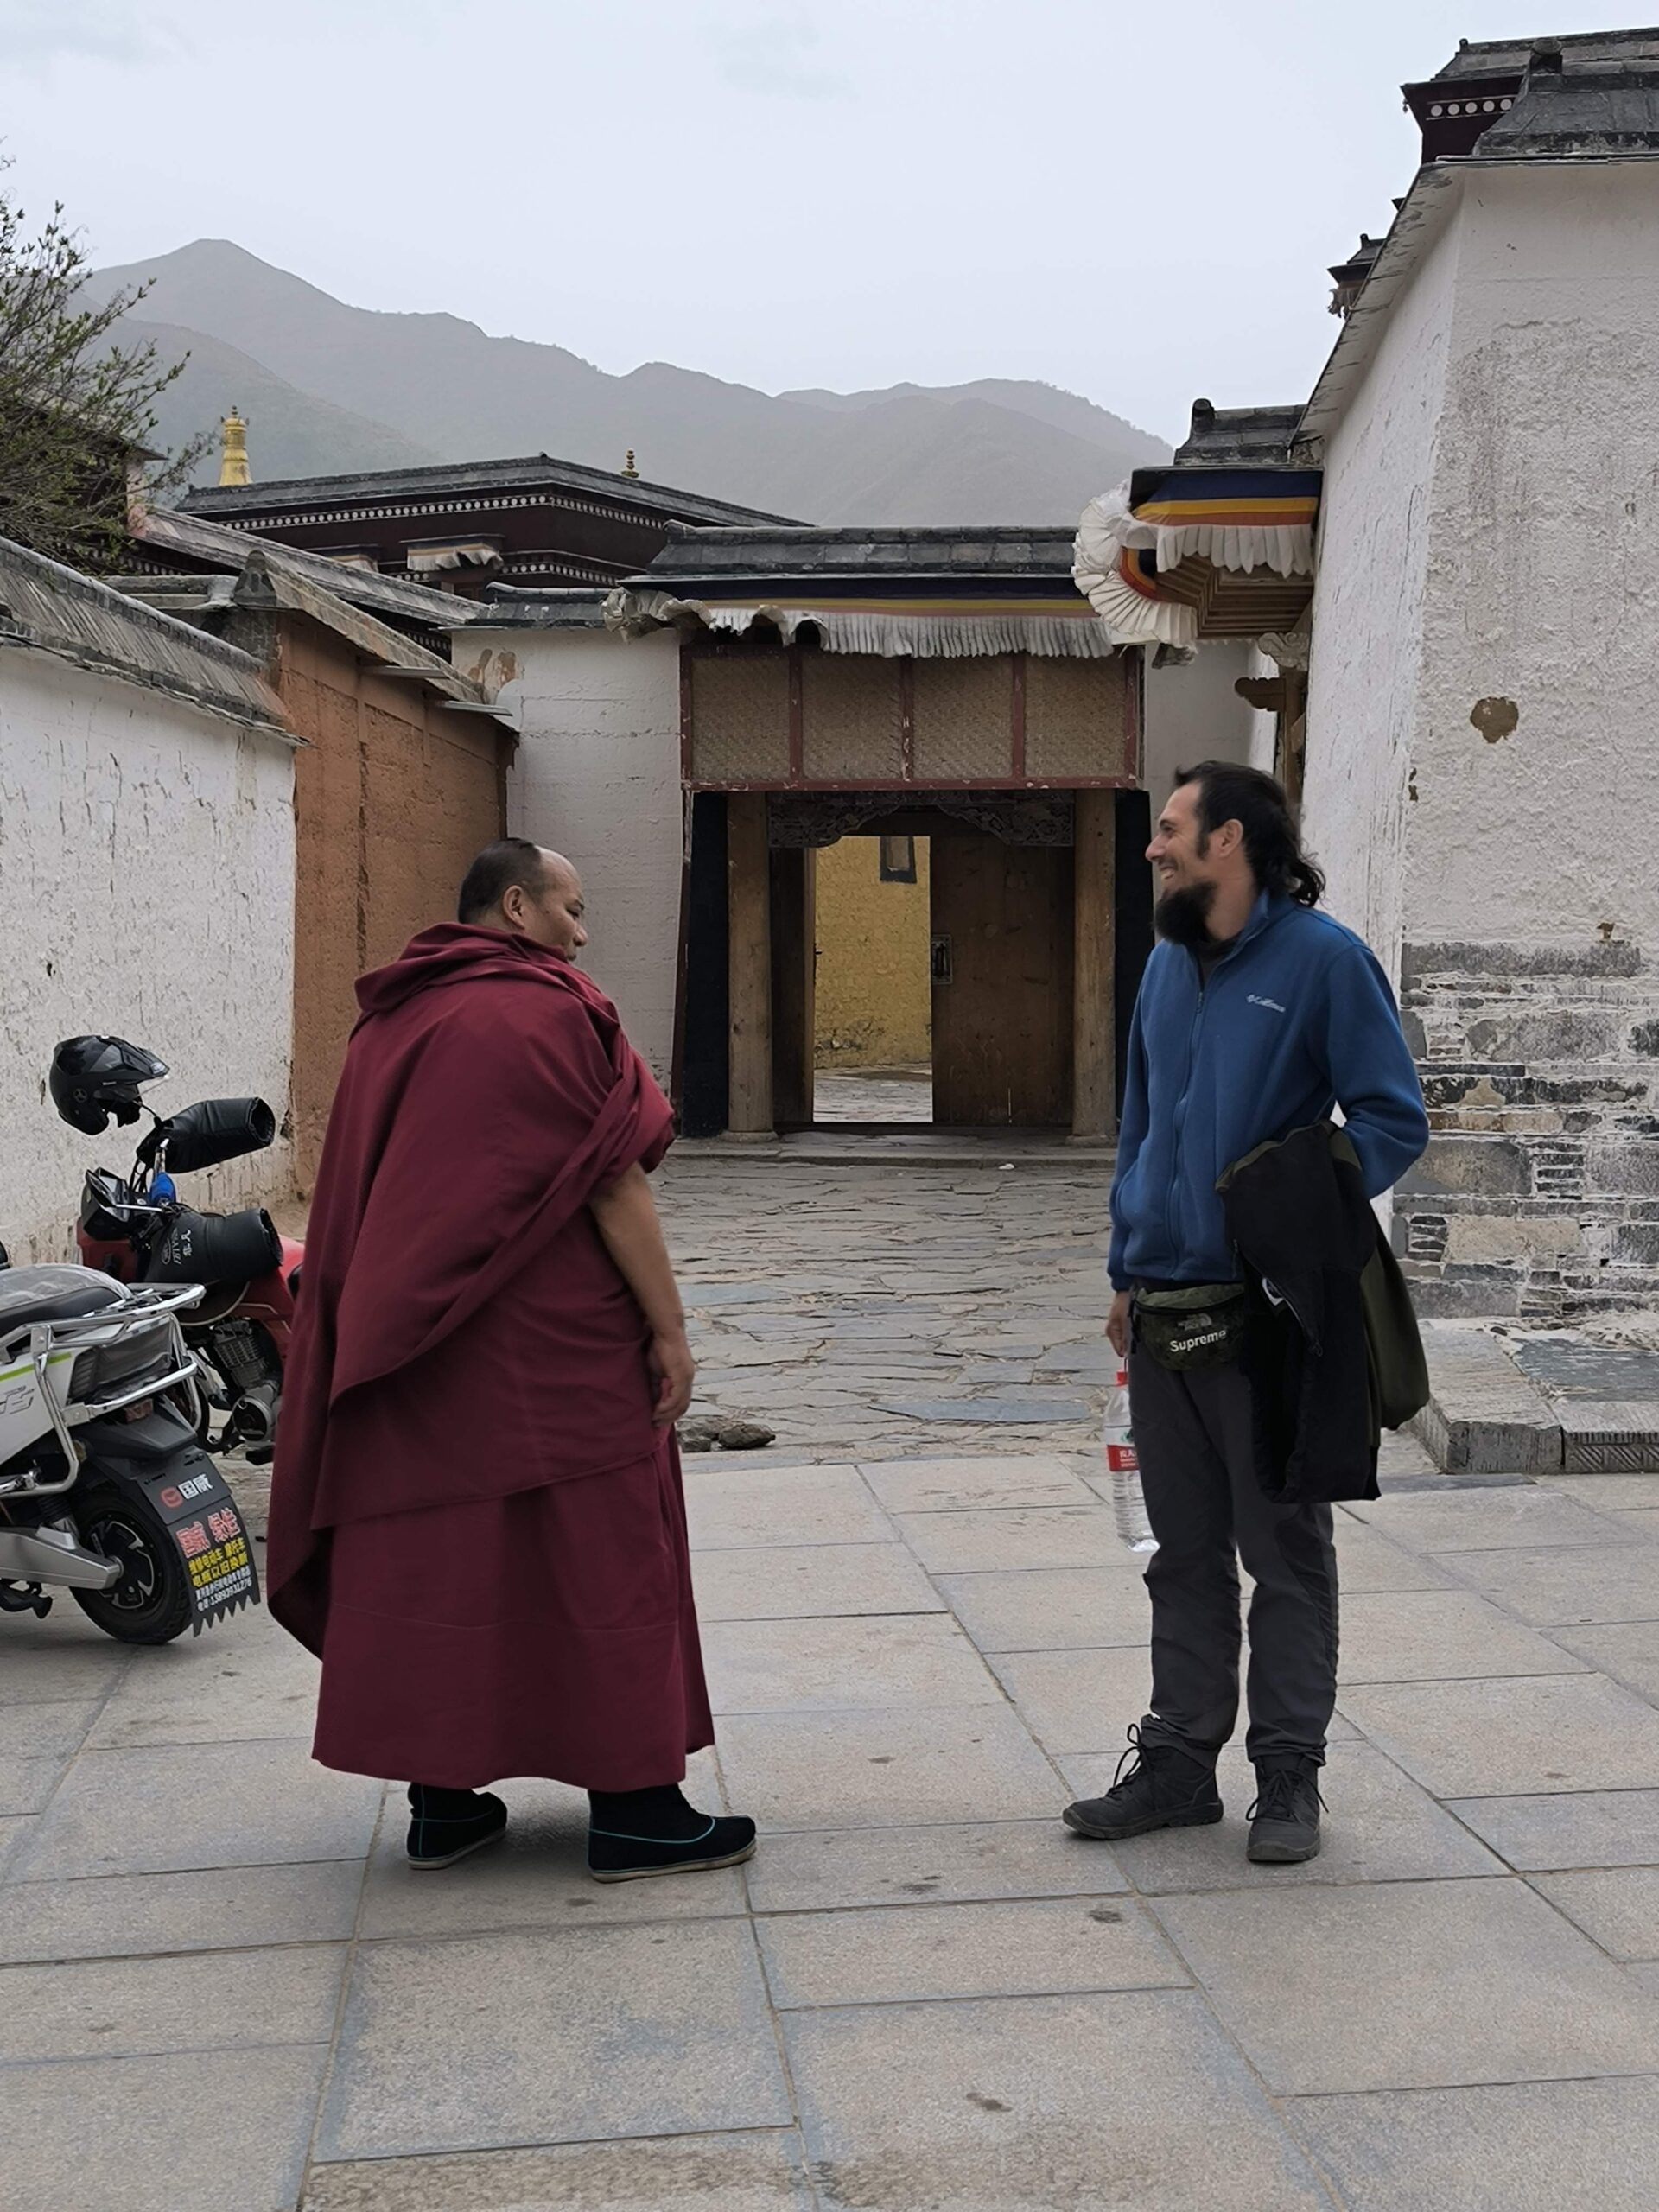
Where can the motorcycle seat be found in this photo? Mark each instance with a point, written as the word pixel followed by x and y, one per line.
pixel 52 1293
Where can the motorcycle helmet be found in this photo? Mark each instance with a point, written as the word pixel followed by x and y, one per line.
pixel 95 1078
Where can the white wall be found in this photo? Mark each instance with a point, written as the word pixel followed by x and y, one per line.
pixel 147 889
pixel 1376 514
pixel 1193 714
pixel 597 778
pixel 1543 561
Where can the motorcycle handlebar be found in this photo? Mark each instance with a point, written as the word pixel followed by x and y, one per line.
pixel 214 1130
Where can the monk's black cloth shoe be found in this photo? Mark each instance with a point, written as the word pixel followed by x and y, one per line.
pixel 1285 1818
pixel 634 1833
pixel 1166 1788
pixel 445 1824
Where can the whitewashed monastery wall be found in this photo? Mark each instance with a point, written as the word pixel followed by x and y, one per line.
pixel 597 778
pixel 1482 731
pixel 147 887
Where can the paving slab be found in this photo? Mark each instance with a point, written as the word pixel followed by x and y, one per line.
pixel 1009 1409
pixel 1519 1514
pixel 173 1807
pixel 494 2042
pixel 221 2130
pixel 839 1666
pixel 793 1582
pixel 880 1770
pixel 1527 2147
pixel 1627 1651
pixel 1019 1948
pixel 62 1658
pixel 1424 1636
pixel 218 1908
pixel 759 2172
pixel 1079 1700
pixel 1463 1982
pixel 1049 1609
pixel 250 1679
pixel 825 1870
pixel 1368 1560
pixel 949 1485
pixel 13 1830
pixel 1617 1907
pixel 1619 1581
pixel 1591 1827
pixel 135 2007
pixel 1026 2105
pixel 1513 1737
pixel 728 1508
pixel 1610 1493
pixel 1047 1536
pixel 1379 1826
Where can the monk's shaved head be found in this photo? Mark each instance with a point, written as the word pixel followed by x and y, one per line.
pixel 528 889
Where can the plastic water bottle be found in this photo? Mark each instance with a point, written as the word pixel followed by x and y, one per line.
pixel 1128 1505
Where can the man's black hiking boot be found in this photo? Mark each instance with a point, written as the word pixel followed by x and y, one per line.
pixel 1285 1818
pixel 445 1824
pixel 1166 1788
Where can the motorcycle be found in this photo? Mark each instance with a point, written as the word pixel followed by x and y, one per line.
pixel 136 1229
pixel 105 1488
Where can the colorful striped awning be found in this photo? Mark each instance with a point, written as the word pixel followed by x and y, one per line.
pixel 1202 553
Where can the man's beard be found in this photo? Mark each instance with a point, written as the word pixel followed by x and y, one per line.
pixel 1183 915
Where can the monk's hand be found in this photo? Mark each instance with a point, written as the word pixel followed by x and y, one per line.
pixel 1117 1325
pixel 674 1371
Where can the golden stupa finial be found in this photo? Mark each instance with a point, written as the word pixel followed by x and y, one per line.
pixel 233 449
pixel 628 468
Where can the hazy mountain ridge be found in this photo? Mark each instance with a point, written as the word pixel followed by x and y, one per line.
pixel 327 387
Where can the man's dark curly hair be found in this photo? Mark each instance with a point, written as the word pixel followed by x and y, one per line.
pixel 1228 792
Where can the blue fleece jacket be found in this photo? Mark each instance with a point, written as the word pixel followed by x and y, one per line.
pixel 1297 1017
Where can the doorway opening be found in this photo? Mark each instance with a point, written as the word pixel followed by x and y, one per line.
pixel 872 1017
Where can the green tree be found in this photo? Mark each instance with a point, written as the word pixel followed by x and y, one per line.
pixel 77 407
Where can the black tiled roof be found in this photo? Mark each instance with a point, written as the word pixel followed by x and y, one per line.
pixel 1003 554
pixel 1508 57
pixel 1236 437
pixel 456 479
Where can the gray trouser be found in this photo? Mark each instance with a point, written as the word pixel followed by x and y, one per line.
pixel 1208 1511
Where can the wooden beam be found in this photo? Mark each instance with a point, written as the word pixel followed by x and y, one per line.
pixel 1095 903
pixel 749 952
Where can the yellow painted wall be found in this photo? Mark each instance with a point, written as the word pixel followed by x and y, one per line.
pixel 875 999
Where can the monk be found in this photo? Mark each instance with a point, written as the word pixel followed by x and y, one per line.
pixel 477 1523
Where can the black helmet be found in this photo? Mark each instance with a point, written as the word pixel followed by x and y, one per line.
pixel 94 1077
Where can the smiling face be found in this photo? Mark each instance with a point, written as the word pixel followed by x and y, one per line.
pixel 1196 866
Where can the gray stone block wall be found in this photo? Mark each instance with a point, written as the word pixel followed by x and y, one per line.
pixel 1539 1193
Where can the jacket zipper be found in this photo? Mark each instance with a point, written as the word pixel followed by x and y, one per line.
pixel 1181 1114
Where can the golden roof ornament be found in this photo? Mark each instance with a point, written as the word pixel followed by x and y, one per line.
pixel 628 468
pixel 233 449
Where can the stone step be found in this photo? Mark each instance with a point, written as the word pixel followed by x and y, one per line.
pixel 1484 1416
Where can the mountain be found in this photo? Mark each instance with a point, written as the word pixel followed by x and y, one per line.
pixel 434 386
pixel 298 436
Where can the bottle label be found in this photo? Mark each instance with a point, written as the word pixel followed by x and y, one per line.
pixel 1120 1458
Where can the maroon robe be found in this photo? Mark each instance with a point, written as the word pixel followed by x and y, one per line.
pixel 474 1522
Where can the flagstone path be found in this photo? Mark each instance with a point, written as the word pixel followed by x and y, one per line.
pixel 221 1990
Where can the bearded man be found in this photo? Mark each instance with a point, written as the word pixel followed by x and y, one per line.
pixel 476 1515
pixel 1257 1016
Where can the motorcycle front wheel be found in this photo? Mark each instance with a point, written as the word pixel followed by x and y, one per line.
pixel 152 1602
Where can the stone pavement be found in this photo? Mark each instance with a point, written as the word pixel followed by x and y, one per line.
pixel 865 1312
pixel 221 1990
pixel 224 1992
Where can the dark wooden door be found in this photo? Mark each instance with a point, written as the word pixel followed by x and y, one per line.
pixel 1001 929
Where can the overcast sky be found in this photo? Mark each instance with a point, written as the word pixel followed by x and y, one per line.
pixel 1135 202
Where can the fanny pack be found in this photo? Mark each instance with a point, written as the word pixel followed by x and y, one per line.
pixel 1197 1324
